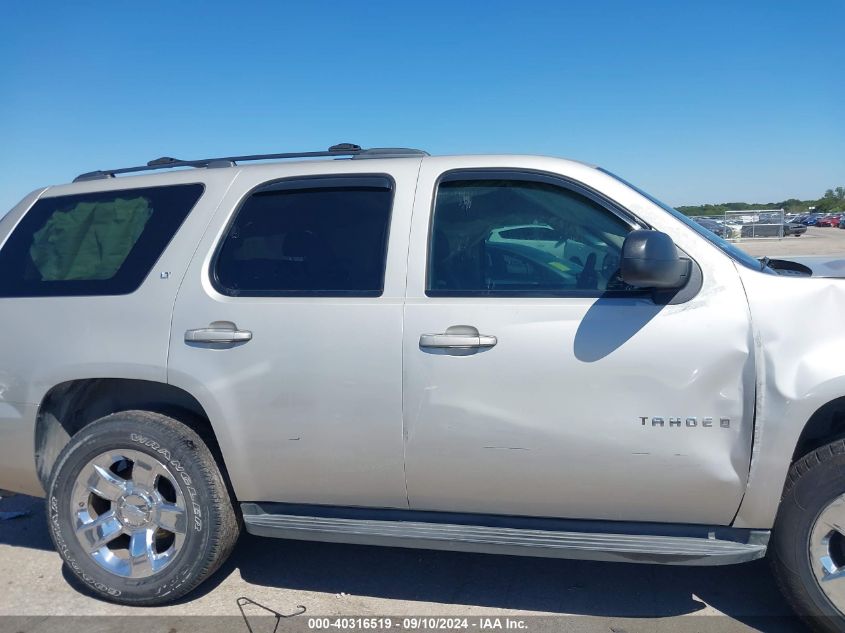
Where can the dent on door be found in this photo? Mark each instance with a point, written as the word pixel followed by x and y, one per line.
pixel 550 421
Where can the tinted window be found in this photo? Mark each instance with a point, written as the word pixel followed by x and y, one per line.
pixel 523 237
pixel 92 244
pixel 313 237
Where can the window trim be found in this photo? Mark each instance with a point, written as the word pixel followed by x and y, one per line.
pixel 116 192
pixel 280 185
pixel 529 175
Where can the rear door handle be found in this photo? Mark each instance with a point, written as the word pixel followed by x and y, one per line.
pixel 458 337
pixel 218 332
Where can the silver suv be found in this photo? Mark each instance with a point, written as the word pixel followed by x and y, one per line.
pixel 375 346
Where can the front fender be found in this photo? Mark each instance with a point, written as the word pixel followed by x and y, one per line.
pixel 800 369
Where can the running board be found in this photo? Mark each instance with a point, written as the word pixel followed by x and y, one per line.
pixel 631 542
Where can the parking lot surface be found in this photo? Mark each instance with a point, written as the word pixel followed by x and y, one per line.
pixel 332 579
pixel 347 580
pixel 815 241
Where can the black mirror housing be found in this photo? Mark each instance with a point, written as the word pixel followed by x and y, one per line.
pixel 650 260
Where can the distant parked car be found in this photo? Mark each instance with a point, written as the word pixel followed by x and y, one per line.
pixel 794 228
pixel 811 219
pixel 538 236
pixel 829 221
pixel 713 226
pixel 842 221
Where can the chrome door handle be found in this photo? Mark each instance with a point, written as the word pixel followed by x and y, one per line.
pixel 456 341
pixel 218 333
pixel 458 337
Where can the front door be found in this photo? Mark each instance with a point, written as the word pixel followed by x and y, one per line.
pixel 537 383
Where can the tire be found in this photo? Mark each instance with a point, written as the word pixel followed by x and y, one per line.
pixel 158 494
pixel 814 482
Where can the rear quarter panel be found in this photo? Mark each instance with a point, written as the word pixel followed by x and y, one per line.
pixel 50 340
pixel 17 418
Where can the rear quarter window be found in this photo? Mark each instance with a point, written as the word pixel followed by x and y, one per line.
pixel 102 243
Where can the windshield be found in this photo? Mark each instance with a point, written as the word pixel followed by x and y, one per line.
pixel 735 253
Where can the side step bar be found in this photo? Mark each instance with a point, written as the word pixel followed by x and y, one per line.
pixel 591 540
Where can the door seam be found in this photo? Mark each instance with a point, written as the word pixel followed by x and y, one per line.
pixel 402 349
pixel 193 256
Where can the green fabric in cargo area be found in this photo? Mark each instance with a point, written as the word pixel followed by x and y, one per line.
pixel 89 241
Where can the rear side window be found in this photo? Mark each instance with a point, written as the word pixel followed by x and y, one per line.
pixel 309 237
pixel 101 243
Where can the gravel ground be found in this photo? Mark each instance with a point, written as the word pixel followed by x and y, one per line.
pixel 346 580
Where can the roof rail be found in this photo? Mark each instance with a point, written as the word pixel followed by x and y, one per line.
pixel 339 150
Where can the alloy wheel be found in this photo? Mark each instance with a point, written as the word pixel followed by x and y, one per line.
pixel 128 513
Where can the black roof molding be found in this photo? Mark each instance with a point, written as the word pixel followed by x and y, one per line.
pixel 340 150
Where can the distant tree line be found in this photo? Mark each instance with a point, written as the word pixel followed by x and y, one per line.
pixel 832 200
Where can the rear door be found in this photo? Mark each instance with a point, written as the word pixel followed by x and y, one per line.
pixel 288 329
pixel 538 383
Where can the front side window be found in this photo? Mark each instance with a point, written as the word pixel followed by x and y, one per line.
pixel 309 237
pixel 532 237
pixel 101 243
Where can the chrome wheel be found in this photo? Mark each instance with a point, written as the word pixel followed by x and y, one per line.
pixel 128 513
pixel 827 551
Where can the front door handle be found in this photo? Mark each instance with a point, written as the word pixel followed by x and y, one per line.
pixel 458 337
pixel 218 332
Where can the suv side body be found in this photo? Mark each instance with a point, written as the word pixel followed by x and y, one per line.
pixel 126 337
pixel 440 384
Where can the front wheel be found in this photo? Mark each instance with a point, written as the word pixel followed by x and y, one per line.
pixel 139 510
pixel 808 542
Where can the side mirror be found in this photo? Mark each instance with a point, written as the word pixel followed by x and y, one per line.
pixel 650 260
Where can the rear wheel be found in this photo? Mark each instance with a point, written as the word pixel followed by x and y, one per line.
pixel 808 542
pixel 139 510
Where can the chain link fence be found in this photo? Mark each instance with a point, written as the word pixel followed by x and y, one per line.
pixel 747 225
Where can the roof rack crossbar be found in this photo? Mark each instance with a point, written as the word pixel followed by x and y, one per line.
pixel 342 149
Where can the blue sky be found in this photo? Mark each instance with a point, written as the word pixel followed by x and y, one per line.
pixel 694 101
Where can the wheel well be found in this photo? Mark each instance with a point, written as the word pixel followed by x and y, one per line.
pixel 70 406
pixel 824 426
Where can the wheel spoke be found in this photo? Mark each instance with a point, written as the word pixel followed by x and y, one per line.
pixel 100 532
pixel 141 553
pixel 834 515
pixel 104 483
pixel 831 580
pixel 145 472
pixel 171 518
pixel 826 555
